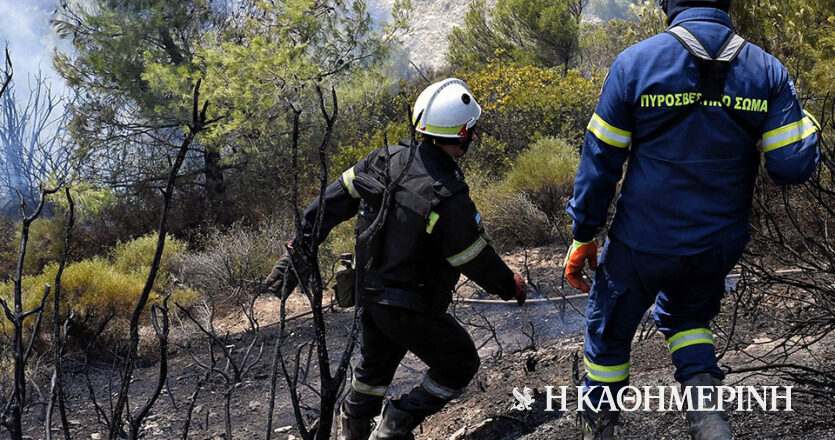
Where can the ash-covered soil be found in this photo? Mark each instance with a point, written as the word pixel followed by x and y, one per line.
pixel 534 346
pixel 485 411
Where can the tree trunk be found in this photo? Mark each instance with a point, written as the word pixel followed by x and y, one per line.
pixel 220 211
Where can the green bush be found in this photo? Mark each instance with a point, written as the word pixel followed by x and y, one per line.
pixel 45 244
pixel 526 207
pixel 545 174
pixel 523 104
pixel 487 155
pixel 511 219
pixel 136 255
pixel 99 290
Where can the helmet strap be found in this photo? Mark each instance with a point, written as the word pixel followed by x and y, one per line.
pixel 467 141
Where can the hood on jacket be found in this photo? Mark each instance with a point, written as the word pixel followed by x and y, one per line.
pixel 675 7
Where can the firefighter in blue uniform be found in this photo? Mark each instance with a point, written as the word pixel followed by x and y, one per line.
pixel 408 268
pixel 693 109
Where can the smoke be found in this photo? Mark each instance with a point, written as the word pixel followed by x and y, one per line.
pixel 25 28
pixel 32 110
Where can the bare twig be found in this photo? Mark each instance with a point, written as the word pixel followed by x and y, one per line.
pixel 59 337
pixel 193 399
pixel 8 73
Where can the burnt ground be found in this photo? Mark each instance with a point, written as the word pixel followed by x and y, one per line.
pixel 533 346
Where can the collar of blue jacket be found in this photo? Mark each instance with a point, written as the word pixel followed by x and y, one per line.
pixel 703 14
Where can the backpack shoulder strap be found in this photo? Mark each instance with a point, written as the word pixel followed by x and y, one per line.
pixel 728 52
pixel 713 69
pixel 731 49
pixel 690 42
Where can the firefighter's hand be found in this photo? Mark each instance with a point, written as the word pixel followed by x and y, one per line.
pixel 521 290
pixel 575 261
pixel 281 280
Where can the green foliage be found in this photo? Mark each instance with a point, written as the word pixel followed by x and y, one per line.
pixel 648 18
pixel 341 240
pixel 46 240
pixel 545 174
pixel 8 250
pixel 539 32
pixel 135 65
pixel 375 106
pixel 609 9
pixel 287 48
pixel 96 288
pixel 522 104
pixel 135 256
pixel 118 42
pixel 600 43
pixel 797 32
pixel 526 207
pixel 92 235
pixel 511 219
pixel 487 155
pixel 801 34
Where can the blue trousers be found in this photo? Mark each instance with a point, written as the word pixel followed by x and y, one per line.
pixel 687 292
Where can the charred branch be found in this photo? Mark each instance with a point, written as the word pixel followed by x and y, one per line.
pixel 10 418
pixel 199 123
pixel 8 73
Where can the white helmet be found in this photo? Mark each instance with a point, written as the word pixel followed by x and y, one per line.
pixel 446 109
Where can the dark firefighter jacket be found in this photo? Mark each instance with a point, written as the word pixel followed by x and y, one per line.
pixel 431 234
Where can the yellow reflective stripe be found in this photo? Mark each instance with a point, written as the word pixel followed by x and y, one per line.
pixel 348 179
pixel 468 254
pixel 443 130
pixel 576 245
pixel 433 218
pixel 608 133
pixel 689 337
pixel 437 389
pixel 368 389
pixel 812 117
pixel 788 134
pixel 606 374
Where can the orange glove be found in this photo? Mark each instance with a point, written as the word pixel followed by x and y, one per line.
pixel 575 260
pixel 521 290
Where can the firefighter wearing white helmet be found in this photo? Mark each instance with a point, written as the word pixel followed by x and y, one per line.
pixel 447 109
pixel 432 233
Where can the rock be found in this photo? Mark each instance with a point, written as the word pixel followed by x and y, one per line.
pixel 254 405
pixel 95 436
pixel 458 435
pixel 283 429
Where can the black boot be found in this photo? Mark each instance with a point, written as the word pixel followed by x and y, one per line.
pixel 395 424
pixel 354 428
pixel 601 425
pixel 706 425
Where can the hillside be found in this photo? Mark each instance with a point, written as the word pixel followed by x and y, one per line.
pixel 430 23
